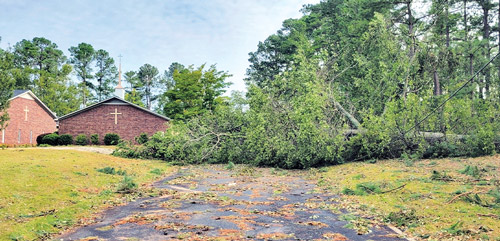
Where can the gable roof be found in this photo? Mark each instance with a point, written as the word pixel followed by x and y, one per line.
pixel 112 100
pixel 18 93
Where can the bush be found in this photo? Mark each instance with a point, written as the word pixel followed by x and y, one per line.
pixel 112 171
pixel 65 139
pixel 127 149
pixel 94 138
pixel 39 139
pixel 127 185
pixel 481 143
pixel 82 140
pixel 111 139
pixel 142 138
pixel 51 139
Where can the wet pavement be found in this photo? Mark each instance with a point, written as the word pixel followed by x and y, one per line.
pixel 212 203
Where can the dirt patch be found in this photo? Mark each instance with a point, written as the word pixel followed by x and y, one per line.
pixel 101 150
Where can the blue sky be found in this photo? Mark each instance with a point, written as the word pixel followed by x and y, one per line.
pixel 220 32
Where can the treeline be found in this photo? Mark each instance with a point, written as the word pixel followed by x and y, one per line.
pixel 353 80
pixel 40 66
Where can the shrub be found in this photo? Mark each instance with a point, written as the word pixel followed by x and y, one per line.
pixel 65 139
pixel 142 138
pixel 94 138
pixel 127 185
pixel 51 139
pixel 156 171
pixel 482 142
pixel 39 139
pixel 441 149
pixel 112 171
pixel 82 140
pixel 403 218
pixel 111 139
pixel 128 150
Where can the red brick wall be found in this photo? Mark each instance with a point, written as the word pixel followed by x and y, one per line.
pixel 39 122
pixel 131 123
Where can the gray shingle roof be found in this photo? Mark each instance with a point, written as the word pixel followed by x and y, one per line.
pixel 19 92
pixel 113 99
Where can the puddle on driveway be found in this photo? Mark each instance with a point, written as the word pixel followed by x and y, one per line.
pixel 211 203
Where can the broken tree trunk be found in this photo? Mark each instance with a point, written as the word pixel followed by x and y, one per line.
pixel 351 118
pixel 429 136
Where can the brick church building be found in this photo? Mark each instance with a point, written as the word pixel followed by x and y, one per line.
pixel 114 115
pixel 29 118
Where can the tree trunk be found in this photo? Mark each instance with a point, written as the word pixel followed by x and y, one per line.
pixel 351 118
pixel 437 85
pixel 486 39
pixel 410 29
pixel 447 27
pixel 428 136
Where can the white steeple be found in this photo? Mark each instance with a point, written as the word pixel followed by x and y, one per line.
pixel 119 90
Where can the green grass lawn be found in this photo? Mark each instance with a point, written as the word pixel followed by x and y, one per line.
pixel 45 191
pixel 427 203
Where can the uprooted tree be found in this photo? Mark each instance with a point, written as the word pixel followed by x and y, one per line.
pixel 343 83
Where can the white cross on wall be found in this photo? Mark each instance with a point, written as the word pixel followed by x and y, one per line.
pixel 116 115
pixel 26 113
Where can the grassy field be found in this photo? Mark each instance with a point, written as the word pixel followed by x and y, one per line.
pixel 45 191
pixel 455 199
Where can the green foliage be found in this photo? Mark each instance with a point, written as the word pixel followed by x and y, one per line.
pixel 142 138
pixel 127 185
pixel 194 92
pixel 442 149
pixel 472 171
pixel 482 142
pixel 81 140
pixel 441 176
pixel 65 139
pixel 157 171
pixel 41 67
pixel 230 166
pixel 94 139
pixel 51 139
pixel 403 218
pixel 6 86
pixel 129 150
pixel 39 139
pixel 342 83
pixel 148 79
pixel 112 171
pixel 134 98
pixel 105 75
pixel 363 189
pixel 111 139
pixel 455 229
pixel 82 57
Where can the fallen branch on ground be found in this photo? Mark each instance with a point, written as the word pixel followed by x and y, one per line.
pixel 491 215
pixel 465 194
pixel 394 189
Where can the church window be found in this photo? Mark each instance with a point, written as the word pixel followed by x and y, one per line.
pixel 19 136
pixel 31 137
